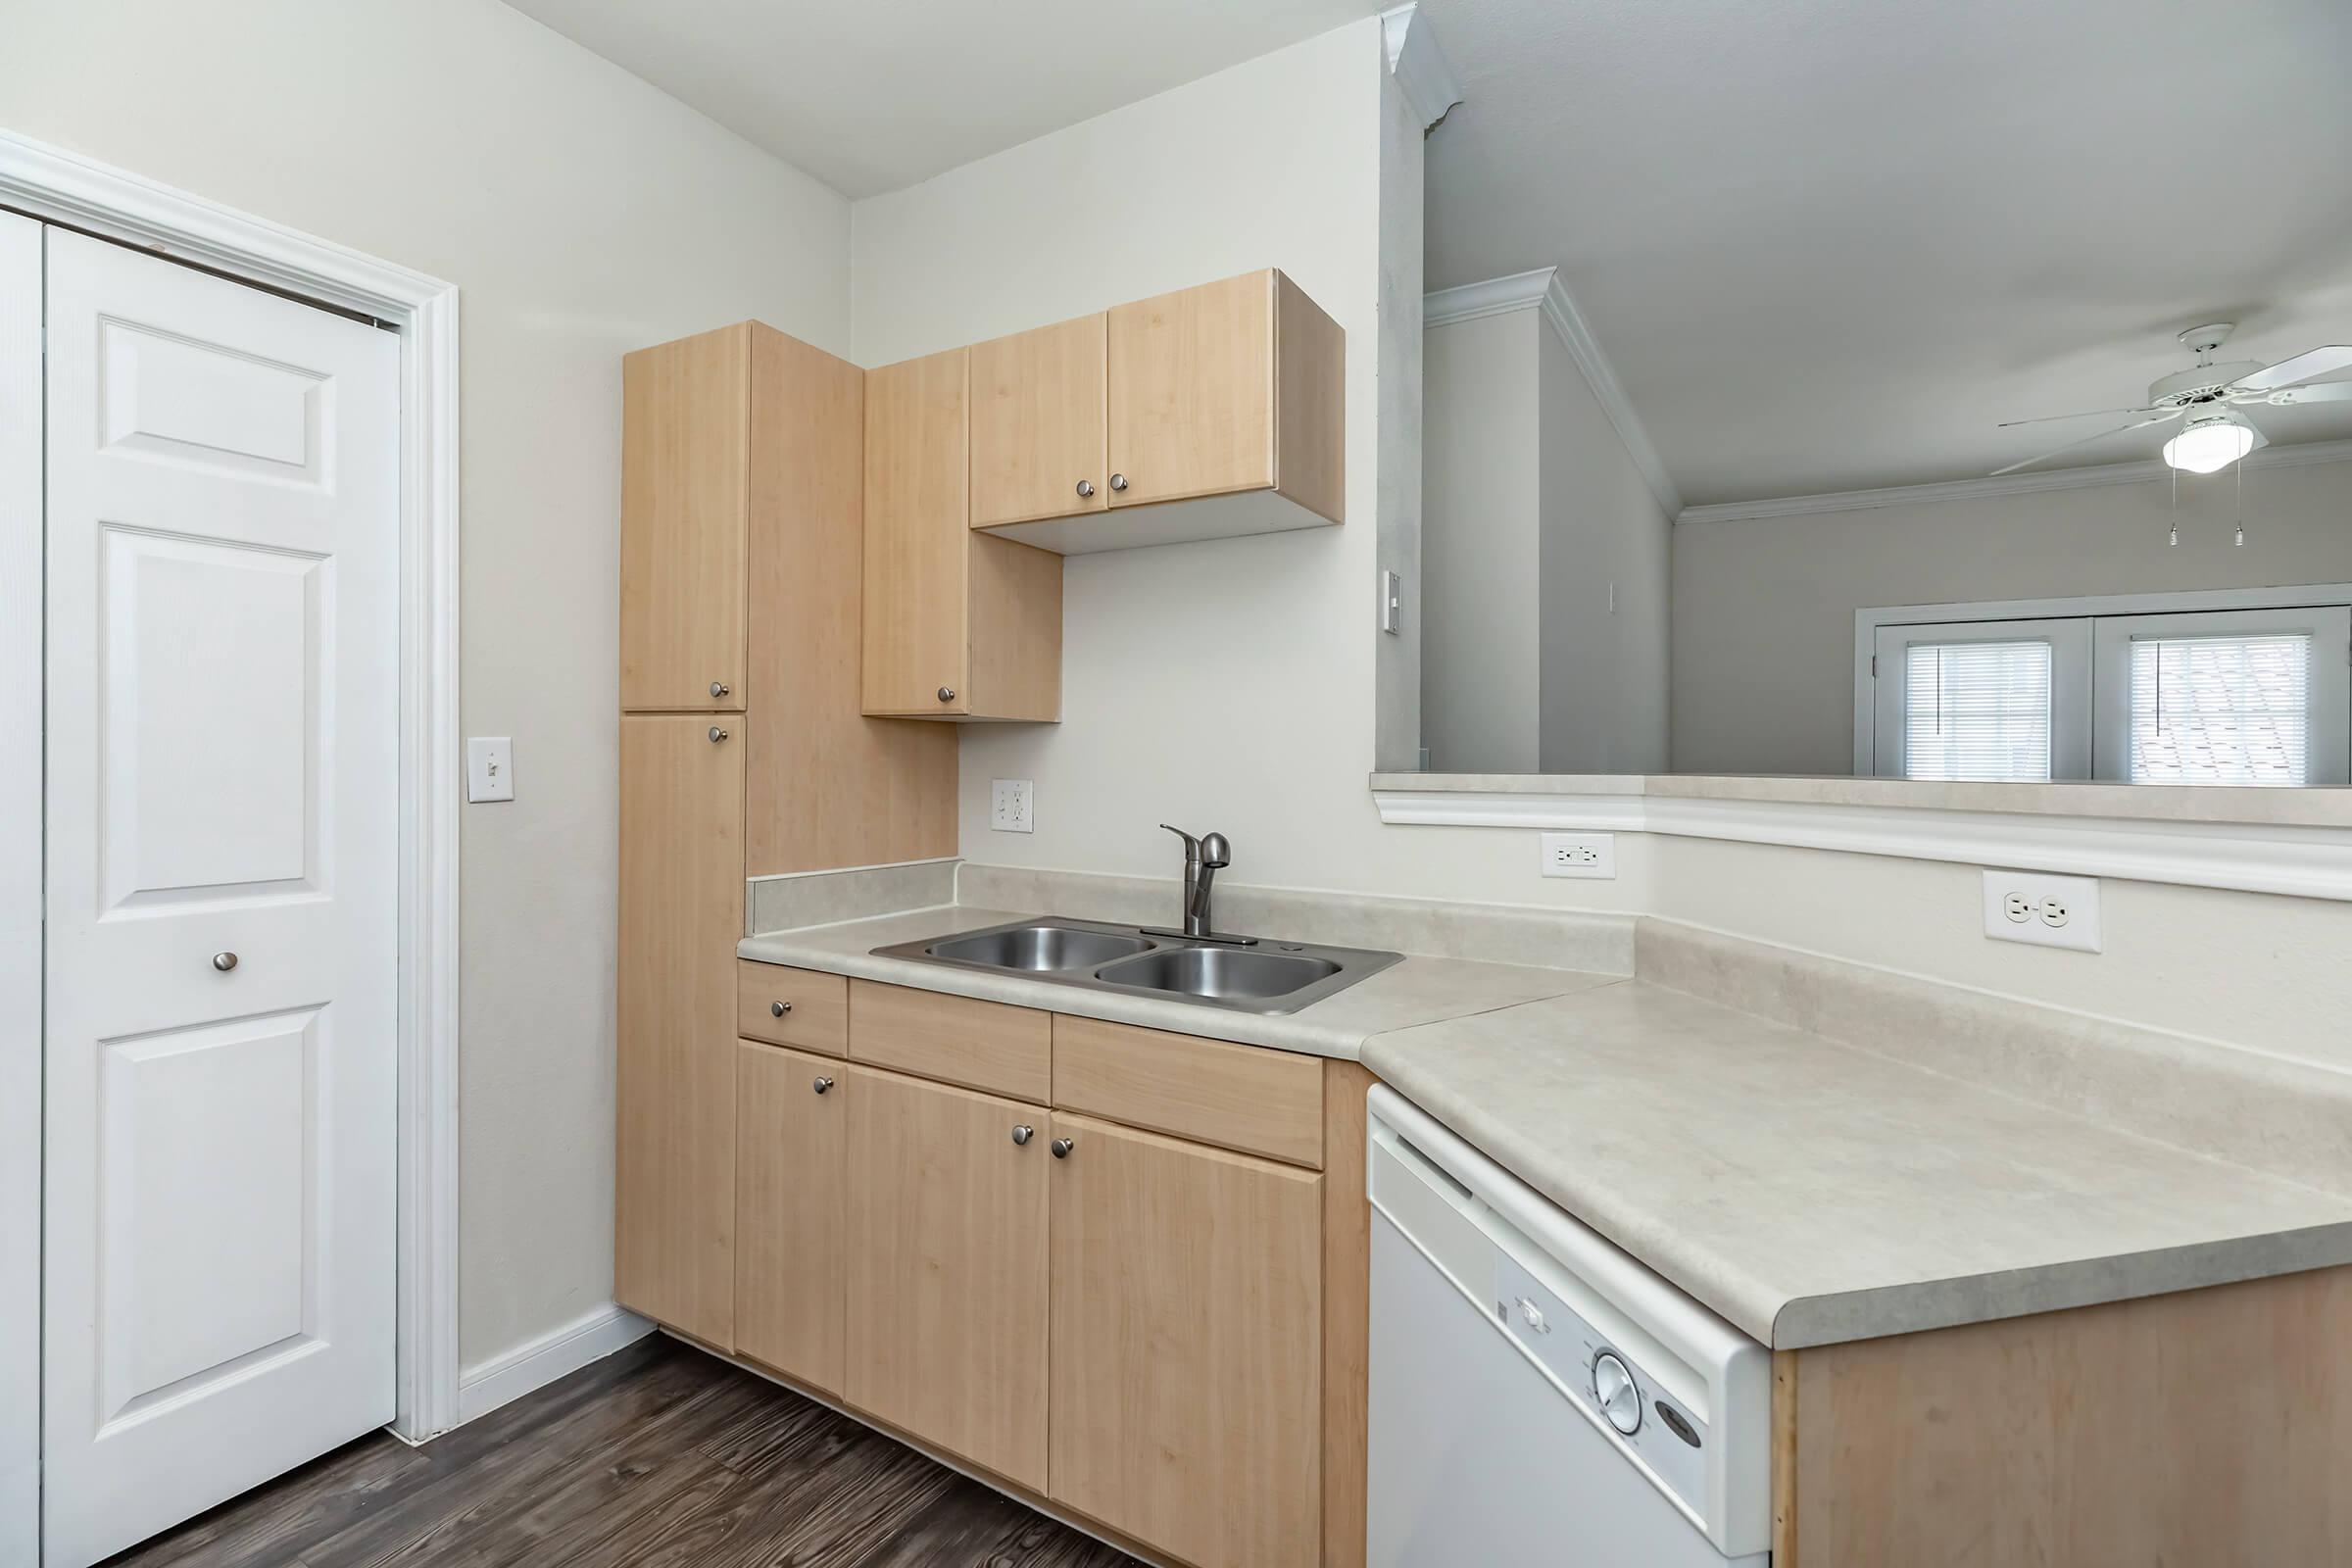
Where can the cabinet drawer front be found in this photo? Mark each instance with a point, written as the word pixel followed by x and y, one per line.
pixel 981 1044
pixel 816 1014
pixel 1258 1101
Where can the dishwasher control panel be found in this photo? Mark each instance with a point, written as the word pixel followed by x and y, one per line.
pixel 1606 1380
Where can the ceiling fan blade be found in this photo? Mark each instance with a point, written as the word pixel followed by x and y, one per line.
pixel 2302 368
pixel 2050 418
pixel 2328 392
pixel 2138 424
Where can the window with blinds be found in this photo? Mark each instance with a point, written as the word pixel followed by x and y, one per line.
pixel 2220 710
pixel 1978 712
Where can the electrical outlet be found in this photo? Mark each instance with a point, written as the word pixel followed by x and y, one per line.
pixel 1009 805
pixel 490 769
pixel 1583 855
pixel 2048 911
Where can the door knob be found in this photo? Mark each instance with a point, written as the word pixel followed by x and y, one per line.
pixel 822 1085
pixel 946 694
pixel 1062 1146
pixel 717 734
pixel 719 688
pixel 224 961
pixel 779 1009
pixel 1022 1134
pixel 1086 487
pixel 1118 481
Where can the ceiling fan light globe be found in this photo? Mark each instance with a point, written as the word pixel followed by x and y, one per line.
pixel 2210 446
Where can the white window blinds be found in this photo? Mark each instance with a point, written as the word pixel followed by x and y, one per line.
pixel 2220 710
pixel 1977 710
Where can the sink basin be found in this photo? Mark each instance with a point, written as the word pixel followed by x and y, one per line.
pixel 1218 972
pixel 1038 947
pixel 1264 977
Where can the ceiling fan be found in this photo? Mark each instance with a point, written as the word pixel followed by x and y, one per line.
pixel 2208 396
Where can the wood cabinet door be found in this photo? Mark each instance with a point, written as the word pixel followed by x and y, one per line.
pixel 1186 1346
pixel 680 916
pixel 946 1268
pixel 1037 425
pixel 917 632
pixel 684 552
pixel 791 1212
pixel 1191 392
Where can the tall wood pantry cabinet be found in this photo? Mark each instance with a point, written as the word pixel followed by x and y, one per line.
pixel 743 753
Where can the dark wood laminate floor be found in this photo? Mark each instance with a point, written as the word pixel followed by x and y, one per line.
pixel 659 1457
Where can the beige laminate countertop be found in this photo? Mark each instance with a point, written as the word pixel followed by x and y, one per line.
pixel 1807 1192
pixel 1420 990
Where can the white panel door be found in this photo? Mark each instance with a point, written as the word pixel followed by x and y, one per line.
pixel 223 693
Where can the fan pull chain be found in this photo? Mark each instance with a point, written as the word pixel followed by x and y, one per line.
pixel 2174 539
pixel 2240 541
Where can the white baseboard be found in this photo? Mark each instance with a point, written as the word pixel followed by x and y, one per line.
pixel 535 1364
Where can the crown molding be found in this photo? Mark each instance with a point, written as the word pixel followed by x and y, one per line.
pixel 1542 289
pixel 2301 454
pixel 1419 64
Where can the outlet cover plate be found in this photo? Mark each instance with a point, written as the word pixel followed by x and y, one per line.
pixel 2042 909
pixel 1010 803
pixel 1591 856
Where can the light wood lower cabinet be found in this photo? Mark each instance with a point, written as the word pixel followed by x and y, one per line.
pixel 680 913
pixel 946 1268
pixel 1186 1346
pixel 791 1212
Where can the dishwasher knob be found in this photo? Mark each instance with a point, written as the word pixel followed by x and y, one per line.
pixel 1615 1391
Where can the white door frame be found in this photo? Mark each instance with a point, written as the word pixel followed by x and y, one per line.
pixel 63 188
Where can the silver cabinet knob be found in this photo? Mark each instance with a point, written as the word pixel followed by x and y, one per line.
pixel 946 694
pixel 1022 1134
pixel 1086 487
pixel 822 1085
pixel 779 1009
pixel 224 961
pixel 1118 481
pixel 719 688
pixel 717 734
pixel 1062 1146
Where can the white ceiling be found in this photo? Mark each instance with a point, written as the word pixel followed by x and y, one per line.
pixel 872 95
pixel 1830 244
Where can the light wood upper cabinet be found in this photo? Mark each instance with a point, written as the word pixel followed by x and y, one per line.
pixel 1037 425
pixel 684 538
pixel 791 1212
pixel 680 914
pixel 1186 1346
pixel 1222 411
pixel 959 624
pixel 946 1268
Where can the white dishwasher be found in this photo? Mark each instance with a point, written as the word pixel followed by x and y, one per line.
pixel 1538 1396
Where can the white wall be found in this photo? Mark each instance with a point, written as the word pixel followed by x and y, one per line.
pixel 1481 545
pixel 582 213
pixel 1545 555
pixel 1224 685
pixel 1606 543
pixel 1188 666
pixel 1764 608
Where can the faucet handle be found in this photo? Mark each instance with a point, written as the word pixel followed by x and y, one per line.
pixel 1192 845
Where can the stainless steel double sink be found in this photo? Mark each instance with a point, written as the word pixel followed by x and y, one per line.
pixel 1263 977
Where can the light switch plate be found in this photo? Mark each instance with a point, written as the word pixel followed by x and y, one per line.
pixel 2042 909
pixel 490 768
pixel 1391 604
pixel 1009 805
